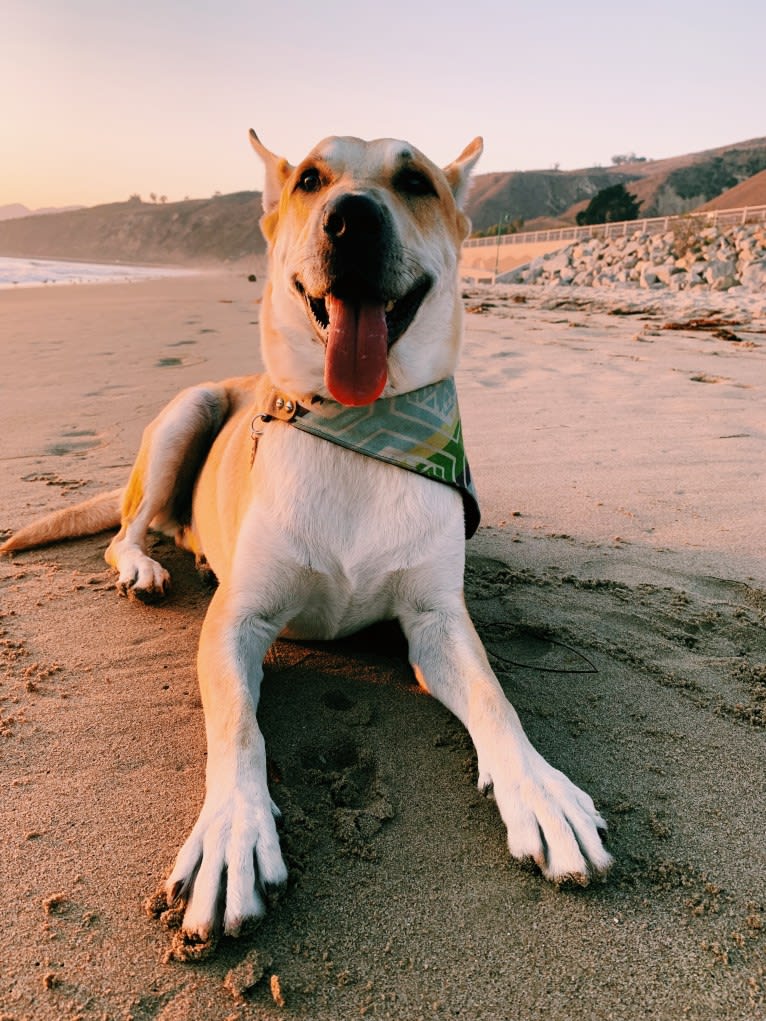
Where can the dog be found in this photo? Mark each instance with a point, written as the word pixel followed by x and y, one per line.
pixel 311 539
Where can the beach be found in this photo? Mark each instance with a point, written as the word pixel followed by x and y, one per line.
pixel 618 581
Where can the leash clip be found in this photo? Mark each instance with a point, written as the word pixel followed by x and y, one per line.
pixel 256 431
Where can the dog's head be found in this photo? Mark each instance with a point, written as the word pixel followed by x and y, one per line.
pixel 364 240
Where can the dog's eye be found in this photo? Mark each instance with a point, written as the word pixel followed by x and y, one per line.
pixel 310 180
pixel 413 182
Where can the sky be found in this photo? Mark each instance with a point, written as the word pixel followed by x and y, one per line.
pixel 101 100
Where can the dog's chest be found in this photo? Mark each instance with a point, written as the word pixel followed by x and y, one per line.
pixel 349 509
pixel 355 526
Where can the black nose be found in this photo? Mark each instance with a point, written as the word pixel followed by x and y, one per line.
pixel 353 217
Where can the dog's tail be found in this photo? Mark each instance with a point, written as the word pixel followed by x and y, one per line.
pixel 88 518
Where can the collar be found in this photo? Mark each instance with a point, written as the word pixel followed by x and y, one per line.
pixel 283 406
pixel 418 431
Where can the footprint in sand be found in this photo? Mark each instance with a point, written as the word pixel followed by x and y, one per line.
pixel 75 441
pixel 360 800
pixel 174 362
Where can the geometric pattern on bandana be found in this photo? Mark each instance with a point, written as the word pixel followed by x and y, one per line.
pixel 419 431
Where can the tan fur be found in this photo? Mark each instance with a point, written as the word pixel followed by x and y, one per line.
pixel 100 513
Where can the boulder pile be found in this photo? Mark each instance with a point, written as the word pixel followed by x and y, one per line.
pixel 686 256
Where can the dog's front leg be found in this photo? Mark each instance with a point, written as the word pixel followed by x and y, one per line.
pixel 172 450
pixel 547 817
pixel 232 856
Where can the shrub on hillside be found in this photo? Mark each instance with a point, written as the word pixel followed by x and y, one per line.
pixel 709 178
pixel 609 206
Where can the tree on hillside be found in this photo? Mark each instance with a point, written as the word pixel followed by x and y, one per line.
pixel 627 157
pixel 609 206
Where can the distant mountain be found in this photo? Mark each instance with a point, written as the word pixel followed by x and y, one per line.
pixel 15 211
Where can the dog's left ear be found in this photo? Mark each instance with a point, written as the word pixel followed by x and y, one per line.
pixel 458 172
pixel 277 172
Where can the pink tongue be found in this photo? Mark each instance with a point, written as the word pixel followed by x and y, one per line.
pixel 356 362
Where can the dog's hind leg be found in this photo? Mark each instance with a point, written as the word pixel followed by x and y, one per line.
pixel 158 494
pixel 548 819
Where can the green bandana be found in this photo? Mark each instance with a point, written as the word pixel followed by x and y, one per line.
pixel 419 431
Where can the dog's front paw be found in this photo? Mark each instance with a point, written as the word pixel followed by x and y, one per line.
pixel 548 818
pixel 142 578
pixel 230 862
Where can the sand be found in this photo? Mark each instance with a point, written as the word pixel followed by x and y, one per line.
pixel 619 583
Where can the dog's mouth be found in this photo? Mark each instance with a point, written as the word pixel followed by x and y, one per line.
pixel 358 333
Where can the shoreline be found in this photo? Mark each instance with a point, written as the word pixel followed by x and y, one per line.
pixel 92 271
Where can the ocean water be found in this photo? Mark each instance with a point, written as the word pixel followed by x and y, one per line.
pixel 46 272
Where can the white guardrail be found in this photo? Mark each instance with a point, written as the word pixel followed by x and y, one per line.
pixel 655 225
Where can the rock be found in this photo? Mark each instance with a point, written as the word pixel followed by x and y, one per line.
pixel 555 263
pixel 648 277
pixel 754 275
pixel 679 281
pixel 584 279
pixel 665 272
pixel 721 274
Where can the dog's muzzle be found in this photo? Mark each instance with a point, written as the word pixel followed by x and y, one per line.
pixel 363 311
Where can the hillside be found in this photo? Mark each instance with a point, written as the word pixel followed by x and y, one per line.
pixel 201 230
pixel 528 194
pixel 751 192
pixel 664 187
pixel 225 227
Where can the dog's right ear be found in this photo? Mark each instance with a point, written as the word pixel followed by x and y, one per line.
pixel 277 172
